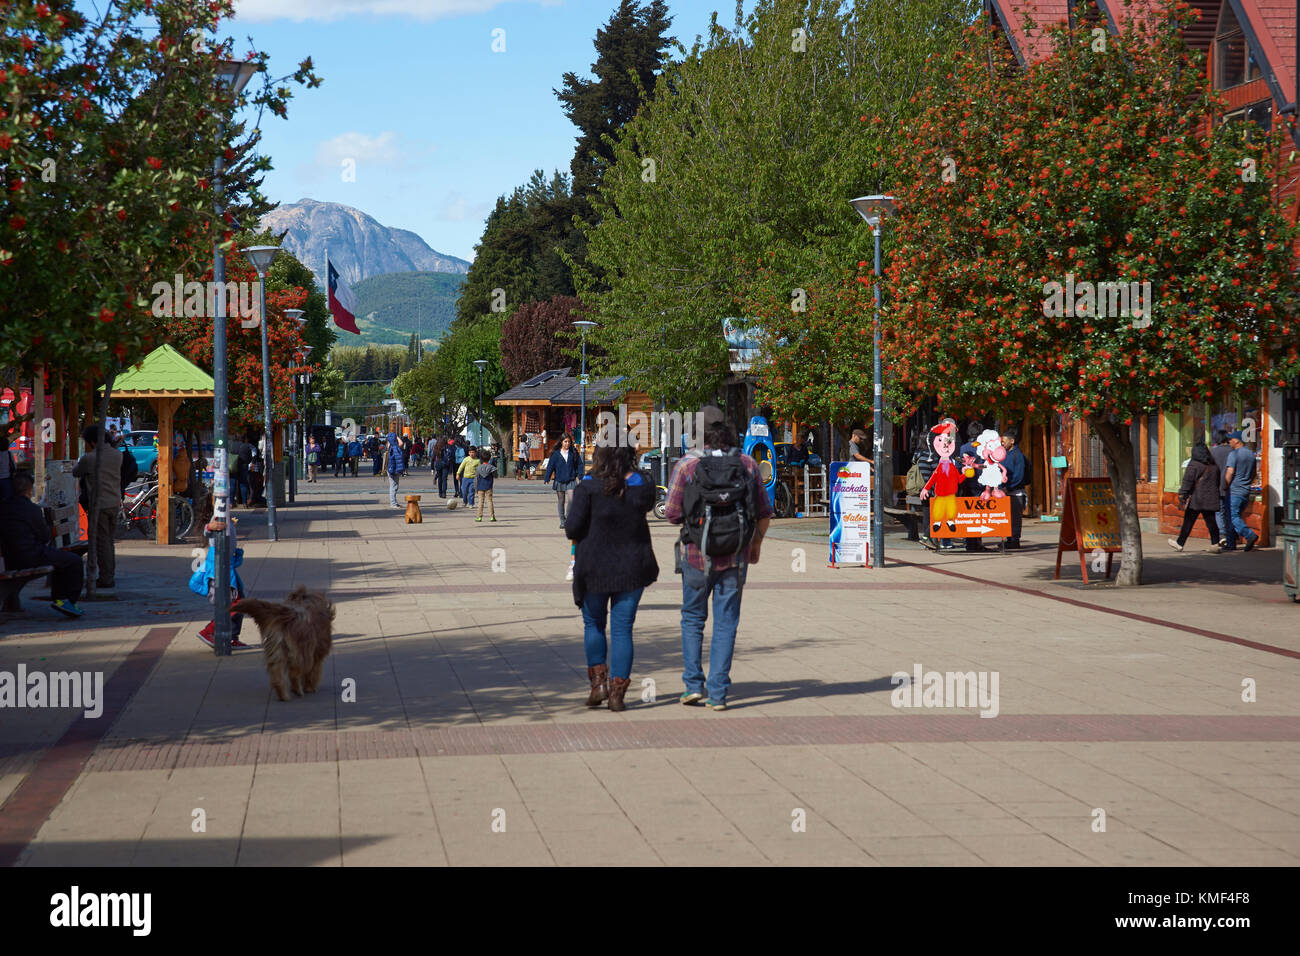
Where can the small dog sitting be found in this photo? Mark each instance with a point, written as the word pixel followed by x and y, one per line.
pixel 296 637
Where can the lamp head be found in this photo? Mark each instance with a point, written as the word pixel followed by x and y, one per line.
pixel 260 257
pixel 481 363
pixel 297 315
pixel 235 74
pixel 874 208
pixel 583 325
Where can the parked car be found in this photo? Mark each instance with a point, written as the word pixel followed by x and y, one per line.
pixel 143 447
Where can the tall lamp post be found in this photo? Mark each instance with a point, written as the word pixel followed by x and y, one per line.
pixel 291 466
pixel 873 209
pixel 481 364
pixel 260 257
pixel 233 76
pixel 583 325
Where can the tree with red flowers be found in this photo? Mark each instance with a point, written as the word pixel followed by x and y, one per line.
pixel 1100 163
pixel 539 336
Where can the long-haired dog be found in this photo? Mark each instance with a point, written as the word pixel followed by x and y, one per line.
pixel 296 637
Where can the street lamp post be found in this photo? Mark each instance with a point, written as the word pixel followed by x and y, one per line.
pixel 873 209
pixel 291 465
pixel 481 364
pixel 232 75
pixel 261 257
pixel 582 325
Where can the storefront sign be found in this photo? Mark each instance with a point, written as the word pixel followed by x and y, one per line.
pixel 1090 524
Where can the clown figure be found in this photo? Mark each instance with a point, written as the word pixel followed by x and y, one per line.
pixel 994 475
pixel 943 484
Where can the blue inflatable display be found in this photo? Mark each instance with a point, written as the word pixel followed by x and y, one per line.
pixel 758 445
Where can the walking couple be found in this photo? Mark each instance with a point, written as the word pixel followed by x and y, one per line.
pixel 615 561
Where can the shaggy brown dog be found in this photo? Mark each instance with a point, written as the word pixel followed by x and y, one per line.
pixel 296 636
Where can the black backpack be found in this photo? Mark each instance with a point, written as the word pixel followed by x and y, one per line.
pixel 718 506
pixel 130 470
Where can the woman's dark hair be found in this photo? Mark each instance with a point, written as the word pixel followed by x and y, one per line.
pixel 563 436
pixel 609 464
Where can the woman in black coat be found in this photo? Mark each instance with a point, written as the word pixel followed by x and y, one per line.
pixel 1199 495
pixel 614 563
pixel 564 471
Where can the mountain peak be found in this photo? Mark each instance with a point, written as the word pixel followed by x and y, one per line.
pixel 359 245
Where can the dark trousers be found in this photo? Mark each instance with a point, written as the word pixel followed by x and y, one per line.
pixel 1189 519
pixel 68 576
pixel 1017 514
pixel 105 555
pixel 442 482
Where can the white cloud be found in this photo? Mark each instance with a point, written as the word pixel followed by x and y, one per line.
pixel 381 149
pixel 456 208
pixel 328 10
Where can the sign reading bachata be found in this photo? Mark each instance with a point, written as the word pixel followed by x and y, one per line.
pixel 850 512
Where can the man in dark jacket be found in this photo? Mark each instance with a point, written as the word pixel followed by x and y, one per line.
pixel 1219 452
pixel 1017 486
pixel 1199 495
pixel 25 540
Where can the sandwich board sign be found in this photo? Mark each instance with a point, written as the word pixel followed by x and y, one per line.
pixel 850 513
pixel 1089 524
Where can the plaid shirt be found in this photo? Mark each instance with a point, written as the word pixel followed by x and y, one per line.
pixel 682 475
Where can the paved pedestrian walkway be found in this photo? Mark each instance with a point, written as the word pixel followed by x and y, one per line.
pixel 468 744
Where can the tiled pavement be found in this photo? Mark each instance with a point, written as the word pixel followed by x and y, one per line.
pixel 468 744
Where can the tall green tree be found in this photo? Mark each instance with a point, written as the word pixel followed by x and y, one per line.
pixel 630 52
pixel 729 191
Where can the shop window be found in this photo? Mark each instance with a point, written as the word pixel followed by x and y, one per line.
pixel 1153 447
pixel 1202 422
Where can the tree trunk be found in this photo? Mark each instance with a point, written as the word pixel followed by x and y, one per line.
pixel 1123 478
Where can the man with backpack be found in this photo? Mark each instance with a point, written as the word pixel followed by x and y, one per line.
pixel 718 498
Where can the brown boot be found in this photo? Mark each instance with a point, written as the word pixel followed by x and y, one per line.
pixel 617 688
pixel 597 675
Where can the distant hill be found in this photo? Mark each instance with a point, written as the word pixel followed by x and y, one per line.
pixel 391 307
pixel 359 245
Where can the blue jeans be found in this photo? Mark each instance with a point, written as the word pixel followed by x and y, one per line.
pixel 1236 505
pixel 726 588
pixel 467 491
pixel 1225 525
pixel 621 607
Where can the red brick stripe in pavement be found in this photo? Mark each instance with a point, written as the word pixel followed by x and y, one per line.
pixel 1186 628
pixel 30 804
pixel 713 731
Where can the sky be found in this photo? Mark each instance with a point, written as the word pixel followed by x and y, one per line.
pixel 439 124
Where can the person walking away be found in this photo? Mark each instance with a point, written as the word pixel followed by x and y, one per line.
pixel 27 542
pixel 564 470
pixel 448 465
pixel 395 466
pixel 339 453
pixel 408 448
pixel 1239 476
pixel 354 454
pixel 106 487
pixel 1199 495
pixel 377 454
pixel 1017 486
pixel 465 478
pixel 1219 452
pixel 615 563
pixel 438 467
pixel 522 472
pixel 719 541
pixel 484 475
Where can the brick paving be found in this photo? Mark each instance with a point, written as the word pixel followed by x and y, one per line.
pixel 467 743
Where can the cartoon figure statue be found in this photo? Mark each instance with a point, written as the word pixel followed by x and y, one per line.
pixel 994 474
pixel 946 478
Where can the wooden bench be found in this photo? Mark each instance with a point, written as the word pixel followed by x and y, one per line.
pixel 910 516
pixel 11 582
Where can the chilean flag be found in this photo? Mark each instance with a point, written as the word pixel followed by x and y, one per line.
pixel 343 304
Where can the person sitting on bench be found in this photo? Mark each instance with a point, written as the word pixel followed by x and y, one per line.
pixel 25 539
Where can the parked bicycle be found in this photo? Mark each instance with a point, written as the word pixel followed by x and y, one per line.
pixel 140 512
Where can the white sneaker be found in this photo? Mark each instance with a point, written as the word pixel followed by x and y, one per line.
pixel 1173 543
pixel 569 576
pixel 1214 548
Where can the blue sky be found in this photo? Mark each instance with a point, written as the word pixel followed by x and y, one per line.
pixel 438 123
